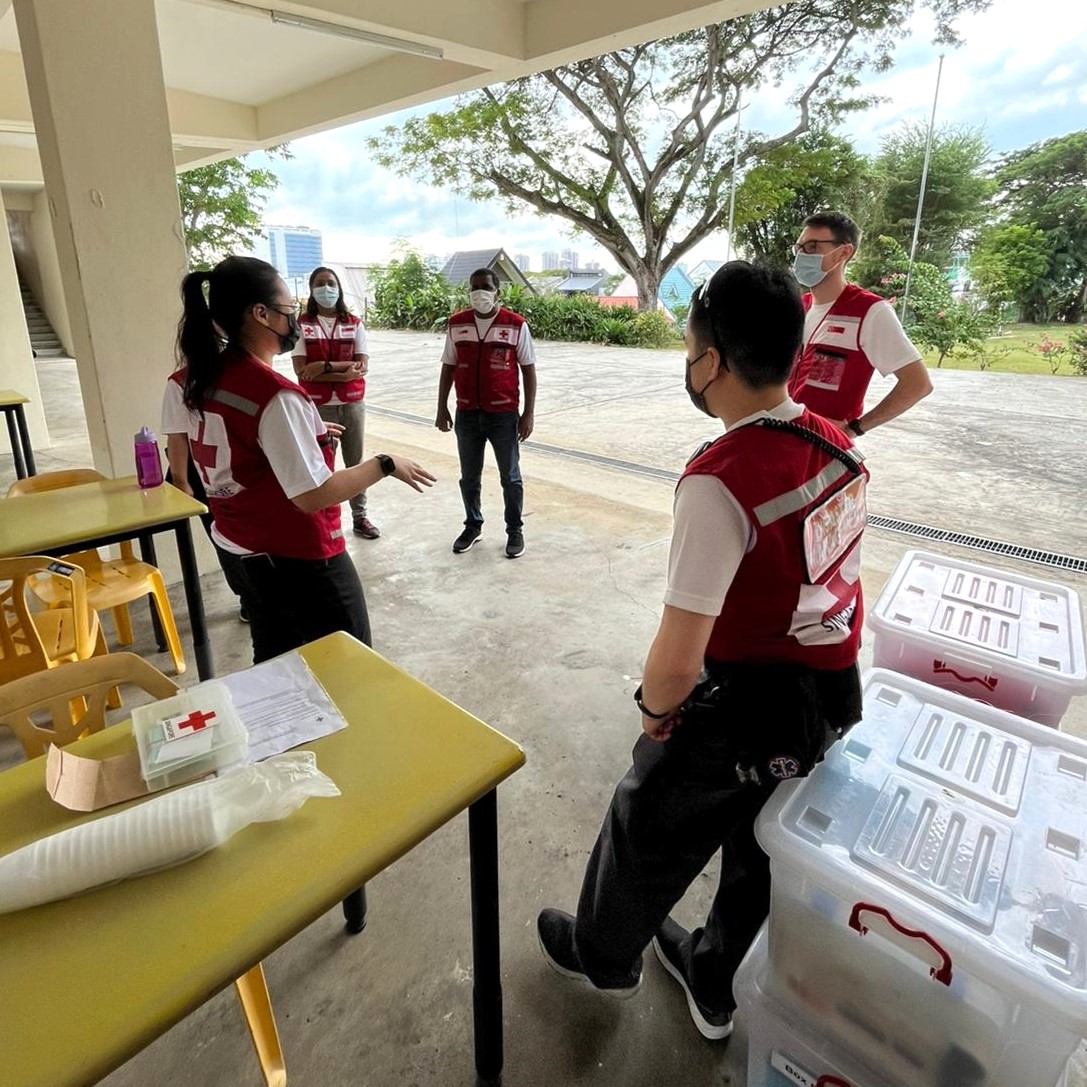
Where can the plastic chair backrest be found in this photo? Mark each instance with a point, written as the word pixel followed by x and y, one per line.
pixel 54 481
pixel 53 692
pixel 21 649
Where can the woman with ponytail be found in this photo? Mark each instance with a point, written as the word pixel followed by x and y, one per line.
pixel 266 459
pixel 331 361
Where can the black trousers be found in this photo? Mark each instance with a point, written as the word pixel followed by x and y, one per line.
pixel 293 601
pixel 681 802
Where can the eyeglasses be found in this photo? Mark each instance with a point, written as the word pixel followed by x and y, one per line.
pixel 812 247
pixel 292 309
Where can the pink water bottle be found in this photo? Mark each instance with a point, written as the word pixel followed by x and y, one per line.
pixel 148 462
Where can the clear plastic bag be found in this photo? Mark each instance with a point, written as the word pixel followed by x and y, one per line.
pixel 159 833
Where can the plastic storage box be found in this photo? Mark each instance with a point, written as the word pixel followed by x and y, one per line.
pixel 779 1048
pixel 775 1047
pixel 929 890
pixel 194 733
pixel 1004 639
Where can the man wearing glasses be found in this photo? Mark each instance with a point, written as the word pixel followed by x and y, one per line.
pixel 849 333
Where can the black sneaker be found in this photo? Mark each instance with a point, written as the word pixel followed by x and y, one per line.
pixel 715 1026
pixel 556 932
pixel 515 543
pixel 467 539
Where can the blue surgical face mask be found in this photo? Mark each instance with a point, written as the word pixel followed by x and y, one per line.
pixel 326 296
pixel 808 269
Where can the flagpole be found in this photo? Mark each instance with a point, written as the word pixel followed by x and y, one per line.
pixel 735 164
pixel 921 193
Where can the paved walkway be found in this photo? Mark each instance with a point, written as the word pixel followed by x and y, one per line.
pixel 549 649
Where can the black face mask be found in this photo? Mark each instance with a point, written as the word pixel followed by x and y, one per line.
pixel 698 398
pixel 290 338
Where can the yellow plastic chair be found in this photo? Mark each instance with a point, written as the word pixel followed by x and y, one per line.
pixel 112 584
pixel 37 709
pixel 34 641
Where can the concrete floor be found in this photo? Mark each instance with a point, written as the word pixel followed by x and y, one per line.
pixel 548 649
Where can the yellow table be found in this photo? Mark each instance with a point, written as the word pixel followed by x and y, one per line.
pixel 11 404
pixel 87 983
pixel 99 514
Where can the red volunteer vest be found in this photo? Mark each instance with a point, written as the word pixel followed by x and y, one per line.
pixel 796 597
pixel 247 502
pixel 487 376
pixel 337 346
pixel 833 373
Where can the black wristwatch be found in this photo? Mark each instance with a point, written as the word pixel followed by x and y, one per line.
pixel 328 367
pixel 388 465
pixel 642 706
pixel 855 426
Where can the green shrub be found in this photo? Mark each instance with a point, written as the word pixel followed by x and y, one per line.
pixel 1077 349
pixel 410 295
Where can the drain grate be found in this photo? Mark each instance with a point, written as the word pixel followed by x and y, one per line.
pixel 979 543
pixel 889 524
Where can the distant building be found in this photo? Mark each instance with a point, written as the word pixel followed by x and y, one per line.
pixel 461 265
pixel 702 271
pixel 583 282
pixel 569 260
pixel 523 261
pixel 676 288
pixel 550 262
pixel 294 250
pixel 594 266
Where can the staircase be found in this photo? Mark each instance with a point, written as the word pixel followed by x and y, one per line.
pixel 43 339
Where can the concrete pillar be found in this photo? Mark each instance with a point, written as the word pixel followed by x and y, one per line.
pixel 94 75
pixel 16 357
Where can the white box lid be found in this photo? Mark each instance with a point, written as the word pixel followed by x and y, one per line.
pixel 968 818
pixel 1001 617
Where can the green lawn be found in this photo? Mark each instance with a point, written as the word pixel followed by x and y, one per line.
pixel 1022 358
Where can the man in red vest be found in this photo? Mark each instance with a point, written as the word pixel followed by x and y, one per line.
pixel 488 349
pixel 849 333
pixel 753 671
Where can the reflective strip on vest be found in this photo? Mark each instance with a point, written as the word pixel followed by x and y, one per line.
pixel 795 500
pixel 232 400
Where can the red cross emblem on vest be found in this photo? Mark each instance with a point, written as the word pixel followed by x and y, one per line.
pixel 204 456
pixel 504 334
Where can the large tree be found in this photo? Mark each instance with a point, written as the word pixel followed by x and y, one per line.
pixel 957 193
pixel 222 207
pixel 815 172
pixel 635 148
pixel 1009 262
pixel 1044 187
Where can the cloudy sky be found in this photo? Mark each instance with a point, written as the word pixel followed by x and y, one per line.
pixel 1022 74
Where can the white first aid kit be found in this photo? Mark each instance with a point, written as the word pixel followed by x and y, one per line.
pixel 929 891
pixel 1004 639
pixel 194 733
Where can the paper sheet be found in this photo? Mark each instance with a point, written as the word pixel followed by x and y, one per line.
pixel 282 705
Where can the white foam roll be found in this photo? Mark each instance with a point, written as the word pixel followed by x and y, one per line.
pixel 158 833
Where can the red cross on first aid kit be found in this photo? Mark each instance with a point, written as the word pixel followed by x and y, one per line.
pixel 183 725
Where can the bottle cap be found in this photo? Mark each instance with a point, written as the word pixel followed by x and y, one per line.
pixel 146 434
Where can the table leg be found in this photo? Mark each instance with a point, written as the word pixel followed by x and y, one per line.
pixel 16 446
pixel 486 972
pixel 24 435
pixel 354 911
pixel 147 553
pixel 205 668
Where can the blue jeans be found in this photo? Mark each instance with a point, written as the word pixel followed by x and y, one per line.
pixel 474 430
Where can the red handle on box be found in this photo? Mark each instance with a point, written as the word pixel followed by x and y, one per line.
pixel 988 682
pixel 941 973
pixel 831 1081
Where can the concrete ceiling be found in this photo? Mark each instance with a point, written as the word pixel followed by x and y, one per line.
pixel 237 81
